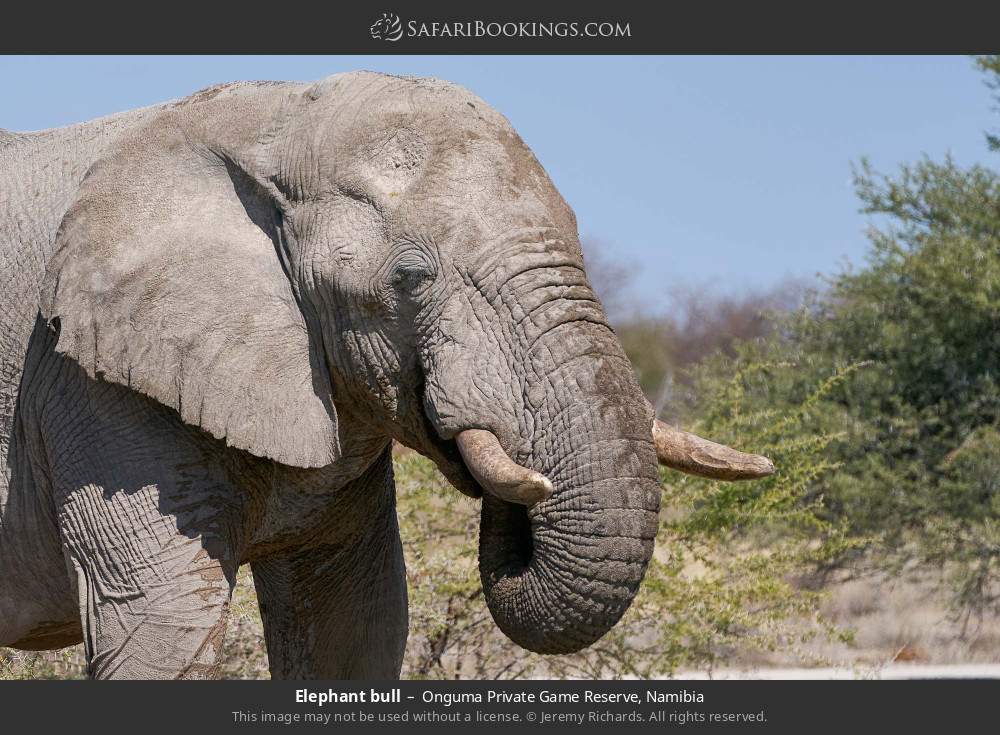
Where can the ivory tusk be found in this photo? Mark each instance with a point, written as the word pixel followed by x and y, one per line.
pixel 693 455
pixel 497 473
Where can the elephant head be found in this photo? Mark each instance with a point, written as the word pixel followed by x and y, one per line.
pixel 283 264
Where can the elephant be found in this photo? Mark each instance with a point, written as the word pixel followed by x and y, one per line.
pixel 217 315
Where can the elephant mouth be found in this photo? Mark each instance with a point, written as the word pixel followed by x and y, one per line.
pixel 449 461
pixel 445 454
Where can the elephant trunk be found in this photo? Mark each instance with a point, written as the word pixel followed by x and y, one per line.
pixel 559 573
pixel 552 426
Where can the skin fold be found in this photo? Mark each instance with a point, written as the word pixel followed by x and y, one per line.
pixel 215 316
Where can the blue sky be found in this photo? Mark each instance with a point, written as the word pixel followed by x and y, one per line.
pixel 708 172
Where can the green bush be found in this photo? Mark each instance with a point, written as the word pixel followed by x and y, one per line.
pixel 923 316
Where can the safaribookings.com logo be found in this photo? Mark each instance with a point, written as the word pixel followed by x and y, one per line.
pixel 387 28
pixel 390 28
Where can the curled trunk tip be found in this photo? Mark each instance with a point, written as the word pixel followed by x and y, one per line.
pixel 693 455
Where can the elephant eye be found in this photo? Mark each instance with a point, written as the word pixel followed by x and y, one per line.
pixel 412 274
pixel 412 280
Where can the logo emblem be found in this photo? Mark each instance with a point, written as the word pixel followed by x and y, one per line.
pixel 387 28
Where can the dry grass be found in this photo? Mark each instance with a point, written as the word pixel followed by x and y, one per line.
pixel 898 621
pixel 893 620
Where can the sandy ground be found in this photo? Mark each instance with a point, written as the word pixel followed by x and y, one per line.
pixel 891 671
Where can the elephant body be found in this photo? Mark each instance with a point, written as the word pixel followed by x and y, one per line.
pixel 217 314
pixel 88 465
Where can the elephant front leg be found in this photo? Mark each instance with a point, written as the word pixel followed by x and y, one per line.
pixel 153 599
pixel 338 610
pixel 333 612
pixel 150 527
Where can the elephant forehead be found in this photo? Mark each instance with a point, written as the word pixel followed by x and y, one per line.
pixel 418 176
pixel 480 187
pixel 470 210
pixel 434 158
pixel 391 159
pixel 392 124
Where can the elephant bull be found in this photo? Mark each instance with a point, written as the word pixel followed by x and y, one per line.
pixel 215 316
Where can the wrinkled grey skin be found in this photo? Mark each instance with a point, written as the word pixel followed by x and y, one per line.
pixel 216 314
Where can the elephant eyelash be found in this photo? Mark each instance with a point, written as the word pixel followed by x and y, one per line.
pixel 412 276
pixel 412 268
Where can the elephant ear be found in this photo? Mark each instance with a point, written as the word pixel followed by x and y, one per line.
pixel 169 279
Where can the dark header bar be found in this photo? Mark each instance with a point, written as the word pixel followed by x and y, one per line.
pixel 395 27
